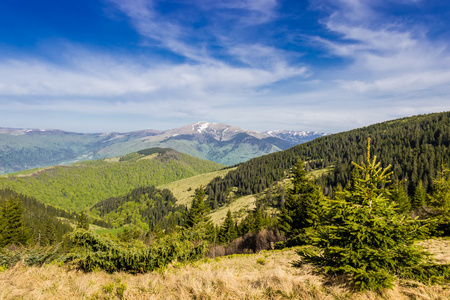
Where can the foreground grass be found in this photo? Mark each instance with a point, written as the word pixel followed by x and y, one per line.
pixel 266 275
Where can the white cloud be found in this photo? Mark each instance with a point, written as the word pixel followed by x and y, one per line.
pixel 257 11
pixel 386 55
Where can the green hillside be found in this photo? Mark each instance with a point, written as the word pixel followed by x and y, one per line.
pixel 416 147
pixel 146 207
pixel 81 185
pixel 41 222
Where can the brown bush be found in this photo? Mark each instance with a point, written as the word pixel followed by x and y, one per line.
pixel 249 243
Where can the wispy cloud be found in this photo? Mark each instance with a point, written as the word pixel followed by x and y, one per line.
pixel 231 61
pixel 191 42
pixel 386 55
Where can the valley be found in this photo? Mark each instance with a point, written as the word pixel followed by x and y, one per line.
pixel 158 211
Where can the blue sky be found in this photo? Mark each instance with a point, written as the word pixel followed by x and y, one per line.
pixel 124 65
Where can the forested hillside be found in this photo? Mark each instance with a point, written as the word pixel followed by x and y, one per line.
pixel 81 185
pixel 41 225
pixel 416 147
pixel 146 207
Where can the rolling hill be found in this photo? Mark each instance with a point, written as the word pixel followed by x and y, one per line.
pixel 83 184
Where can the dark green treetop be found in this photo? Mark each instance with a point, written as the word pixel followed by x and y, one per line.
pixel 12 223
pixel 301 209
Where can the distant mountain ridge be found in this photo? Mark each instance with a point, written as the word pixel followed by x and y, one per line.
pixel 22 149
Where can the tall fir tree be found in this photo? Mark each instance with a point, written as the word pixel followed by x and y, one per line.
pixel 400 197
pixel 440 196
pixel 247 224
pixel 12 223
pixel 198 212
pixel 82 221
pixel 420 196
pixel 302 205
pixel 228 231
pixel 440 200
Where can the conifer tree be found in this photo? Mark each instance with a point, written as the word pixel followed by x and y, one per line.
pixel 228 231
pixel 364 238
pixel 440 197
pixel 400 197
pixel 440 200
pixel 420 196
pixel 198 212
pixel 12 224
pixel 82 221
pixel 247 224
pixel 301 209
pixel 259 220
pixel 48 235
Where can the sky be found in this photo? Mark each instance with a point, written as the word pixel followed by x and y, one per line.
pixel 127 65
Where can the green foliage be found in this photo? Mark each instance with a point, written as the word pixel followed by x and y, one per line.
pixel 12 223
pixel 127 235
pixel 440 197
pixel 440 200
pixel 399 196
pixel 364 238
pixel 420 196
pixel 198 212
pixel 92 251
pixel 302 207
pixel 82 221
pixel 41 222
pixel 81 185
pixel 228 231
pixel 415 147
pixel 145 207
pixel 247 224
pixel 31 256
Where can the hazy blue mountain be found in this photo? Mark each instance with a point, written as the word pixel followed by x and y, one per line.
pixel 22 149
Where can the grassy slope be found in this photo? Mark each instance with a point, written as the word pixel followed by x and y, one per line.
pixel 81 185
pixel 184 189
pixel 266 275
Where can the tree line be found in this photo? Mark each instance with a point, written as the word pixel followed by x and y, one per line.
pixel 416 147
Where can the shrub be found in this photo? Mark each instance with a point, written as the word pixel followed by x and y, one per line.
pixel 92 251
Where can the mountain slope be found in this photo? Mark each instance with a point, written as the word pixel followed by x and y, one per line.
pixel 41 220
pixel 22 149
pixel 416 147
pixel 80 185
pixel 146 207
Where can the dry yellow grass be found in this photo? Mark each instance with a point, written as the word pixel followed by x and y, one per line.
pixel 184 189
pixel 439 247
pixel 266 275
pixel 244 203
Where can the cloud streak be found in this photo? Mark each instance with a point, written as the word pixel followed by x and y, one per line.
pixel 231 61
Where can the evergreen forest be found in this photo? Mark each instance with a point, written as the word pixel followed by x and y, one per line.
pixel 353 204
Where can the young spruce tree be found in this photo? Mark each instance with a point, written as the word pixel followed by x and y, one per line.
pixel 366 240
pixel 228 231
pixel 197 215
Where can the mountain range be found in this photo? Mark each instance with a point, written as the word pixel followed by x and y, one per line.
pixel 22 149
